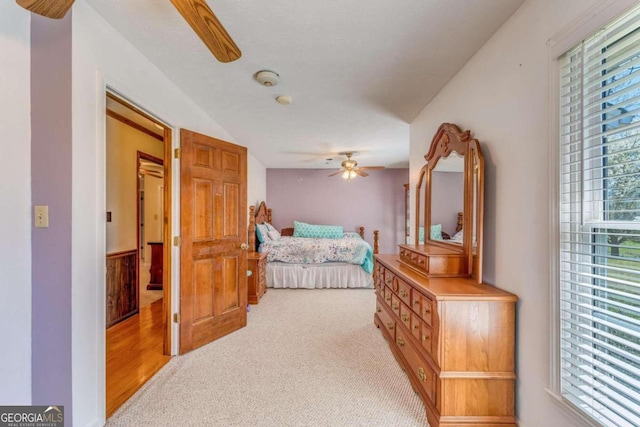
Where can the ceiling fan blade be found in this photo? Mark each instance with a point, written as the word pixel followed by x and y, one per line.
pixel 337 172
pixel 372 167
pixel 360 172
pixel 55 9
pixel 204 22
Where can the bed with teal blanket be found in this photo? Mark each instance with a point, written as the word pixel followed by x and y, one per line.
pixel 312 256
pixel 350 248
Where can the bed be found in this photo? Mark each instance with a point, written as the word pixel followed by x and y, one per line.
pixel 335 261
pixel 437 233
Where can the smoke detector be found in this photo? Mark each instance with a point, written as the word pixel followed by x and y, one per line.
pixel 266 78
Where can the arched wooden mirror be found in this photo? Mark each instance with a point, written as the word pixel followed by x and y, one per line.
pixel 449 204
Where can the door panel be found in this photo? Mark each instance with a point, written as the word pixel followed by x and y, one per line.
pixel 203 220
pixel 230 291
pixel 213 291
pixel 231 226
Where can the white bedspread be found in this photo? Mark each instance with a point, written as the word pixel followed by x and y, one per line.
pixel 317 276
pixel 302 250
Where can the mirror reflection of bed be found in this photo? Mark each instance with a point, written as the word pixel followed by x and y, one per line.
pixel 447 181
pixel 312 256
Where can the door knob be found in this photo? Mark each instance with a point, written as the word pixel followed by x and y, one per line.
pixel 244 246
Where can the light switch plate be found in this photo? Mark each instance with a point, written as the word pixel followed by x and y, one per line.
pixel 41 216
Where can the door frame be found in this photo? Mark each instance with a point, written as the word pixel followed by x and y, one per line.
pixel 168 259
pixel 141 155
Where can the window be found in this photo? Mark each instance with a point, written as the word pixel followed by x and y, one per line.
pixel 599 283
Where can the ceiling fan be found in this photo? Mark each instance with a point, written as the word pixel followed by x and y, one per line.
pixel 197 13
pixel 350 168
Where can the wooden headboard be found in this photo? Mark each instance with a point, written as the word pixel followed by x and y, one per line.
pixel 260 216
pixel 263 214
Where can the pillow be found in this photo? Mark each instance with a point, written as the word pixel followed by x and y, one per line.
pixel 273 234
pixel 436 232
pixel 421 235
pixel 269 226
pixel 457 237
pixel 301 229
pixel 262 233
pixel 351 235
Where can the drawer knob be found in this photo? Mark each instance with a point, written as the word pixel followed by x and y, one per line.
pixel 379 309
pixel 395 306
pixel 422 375
pixel 387 298
pixel 416 303
pixel 401 341
pixel 389 325
pixel 416 326
pixel 403 293
pixel 427 310
pixel 426 337
pixel 405 317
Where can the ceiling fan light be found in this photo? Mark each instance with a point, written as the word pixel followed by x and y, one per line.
pixel 349 174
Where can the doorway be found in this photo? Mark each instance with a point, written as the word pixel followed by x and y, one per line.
pixel 150 207
pixel 138 200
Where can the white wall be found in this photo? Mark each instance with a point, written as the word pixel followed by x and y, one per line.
pixel 123 144
pixel 101 56
pixel 153 190
pixel 257 182
pixel 503 96
pixel 15 206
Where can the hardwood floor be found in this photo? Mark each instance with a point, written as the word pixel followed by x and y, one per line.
pixel 134 354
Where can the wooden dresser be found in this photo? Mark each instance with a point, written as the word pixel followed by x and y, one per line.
pixel 455 340
pixel 157 266
pixel 257 282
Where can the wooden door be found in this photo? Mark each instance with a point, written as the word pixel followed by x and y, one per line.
pixel 213 229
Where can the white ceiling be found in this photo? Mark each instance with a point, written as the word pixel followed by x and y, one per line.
pixel 358 70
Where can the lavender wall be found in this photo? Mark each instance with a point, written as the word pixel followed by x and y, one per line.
pixel 447 199
pixel 51 185
pixel 307 195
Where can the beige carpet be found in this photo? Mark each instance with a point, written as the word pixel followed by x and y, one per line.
pixel 306 358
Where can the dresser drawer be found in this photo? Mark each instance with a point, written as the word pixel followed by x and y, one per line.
pixel 379 277
pixel 386 320
pixel 422 333
pixel 426 310
pixel 421 262
pixel 388 278
pixel 427 339
pixel 419 368
pixel 387 295
pixel 416 259
pixel 404 292
pixel 395 304
pixel 416 322
pixel 416 301
pixel 405 315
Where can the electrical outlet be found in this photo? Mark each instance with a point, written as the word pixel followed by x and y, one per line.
pixel 41 216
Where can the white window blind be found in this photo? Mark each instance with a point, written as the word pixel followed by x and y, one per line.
pixel 600 224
